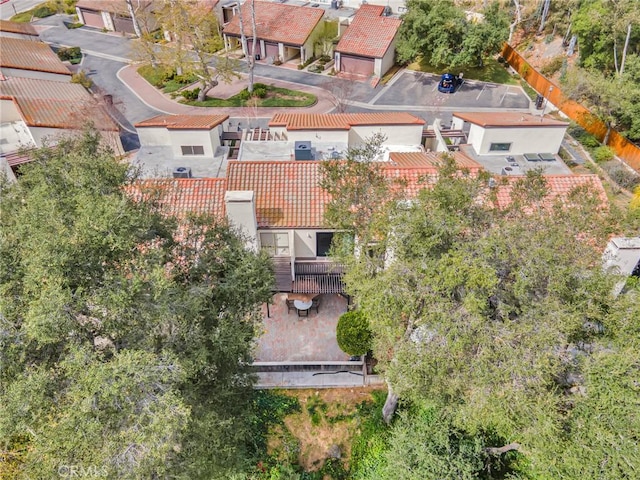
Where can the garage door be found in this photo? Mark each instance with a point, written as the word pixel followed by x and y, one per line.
pixel 357 65
pixel 92 19
pixel 123 24
pixel 271 49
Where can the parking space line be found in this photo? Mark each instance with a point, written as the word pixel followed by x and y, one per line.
pixel 483 87
pixel 504 95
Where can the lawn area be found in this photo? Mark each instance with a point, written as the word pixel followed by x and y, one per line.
pixel 491 72
pixel 319 433
pixel 275 97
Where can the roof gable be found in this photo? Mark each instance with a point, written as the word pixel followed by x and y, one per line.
pixel 29 55
pixel 276 22
pixel 431 160
pixel 369 35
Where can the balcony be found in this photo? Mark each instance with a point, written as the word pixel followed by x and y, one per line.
pixel 309 276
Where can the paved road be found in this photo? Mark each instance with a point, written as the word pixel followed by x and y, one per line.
pixel 106 54
pixel 10 8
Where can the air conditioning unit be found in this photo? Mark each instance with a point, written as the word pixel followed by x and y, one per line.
pixel 302 150
pixel 182 172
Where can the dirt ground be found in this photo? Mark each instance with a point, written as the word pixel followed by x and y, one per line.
pixel 335 424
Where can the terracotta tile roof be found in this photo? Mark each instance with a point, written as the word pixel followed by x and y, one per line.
pixel 287 193
pixel 559 187
pixel 16 27
pixel 181 196
pixel 369 35
pixel 184 122
pixel 44 103
pixel 28 55
pixel 112 6
pixel 18 158
pixel 509 119
pixel 341 121
pixel 276 22
pixel 370 10
pixel 431 160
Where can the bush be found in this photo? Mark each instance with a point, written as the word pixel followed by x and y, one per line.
pixel 353 333
pixel 552 66
pixel 244 94
pixel 623 177
pixel 324 58
pixel 82 79
pixel 43 11
pixel 260 92
pixel 70 53
pixel 603 154
pixel 191 94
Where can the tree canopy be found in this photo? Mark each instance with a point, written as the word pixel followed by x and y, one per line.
pixel 125 335
pixel 502 324
pixel 441 33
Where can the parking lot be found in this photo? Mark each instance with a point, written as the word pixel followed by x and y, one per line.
pixel 421 89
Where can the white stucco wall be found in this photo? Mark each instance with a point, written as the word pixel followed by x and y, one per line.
pixel 39 134
pixel 396 134
pixel 325 136
pixel 523 140
pixel 385 63
pixel 153 136
pixel 191 137
pixel 9 111
pixel 302 242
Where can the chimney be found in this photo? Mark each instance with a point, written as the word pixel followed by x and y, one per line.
pixel 241 213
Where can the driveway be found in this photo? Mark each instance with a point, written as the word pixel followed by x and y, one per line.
pixel 421 89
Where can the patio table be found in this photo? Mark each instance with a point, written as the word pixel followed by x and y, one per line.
pixel 302 306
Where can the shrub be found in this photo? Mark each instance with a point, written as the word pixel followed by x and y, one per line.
pixel 260 92
pixel 353 333
pixel 43 11
pixel 603 154
pixel 69 53
pixel 191 94
pixel 552 66
pixel 324 58
pixel 623 177
pixel 259 85
pixel 244 94
pixel 82 79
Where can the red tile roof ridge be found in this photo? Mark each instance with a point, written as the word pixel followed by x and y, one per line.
pixel 17 27
pixel 341 121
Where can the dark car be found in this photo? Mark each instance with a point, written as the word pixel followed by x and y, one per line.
pixel 449 83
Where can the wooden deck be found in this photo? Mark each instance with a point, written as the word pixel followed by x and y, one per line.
pixel 309 276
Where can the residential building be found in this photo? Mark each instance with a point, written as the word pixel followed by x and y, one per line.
pixel 31 59
pixel 114 15
pixel 367 47
pixel 283 32
pixel 24 31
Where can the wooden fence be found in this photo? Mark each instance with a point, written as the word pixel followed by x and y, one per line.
pixel 624 149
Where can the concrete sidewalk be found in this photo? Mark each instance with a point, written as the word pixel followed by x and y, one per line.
pixel 157 100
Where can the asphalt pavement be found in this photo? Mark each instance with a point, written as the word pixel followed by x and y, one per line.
pixel 13 7
pixel 106 56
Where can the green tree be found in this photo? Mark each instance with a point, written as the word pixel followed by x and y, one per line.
pixel 125 337
pixel 498 327
pixel 440 33
pixel 195 37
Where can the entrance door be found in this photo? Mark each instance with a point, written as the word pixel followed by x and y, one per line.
pixel 323 243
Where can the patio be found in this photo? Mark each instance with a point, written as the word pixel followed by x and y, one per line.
pixel 289 338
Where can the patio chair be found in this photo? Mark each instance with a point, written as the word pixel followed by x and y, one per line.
pixel 315 304
pixel 290 305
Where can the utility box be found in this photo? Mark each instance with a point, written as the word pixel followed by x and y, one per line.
pixel 302 150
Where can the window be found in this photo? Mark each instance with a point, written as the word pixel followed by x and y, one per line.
pixel 276 244
pixel 323 243
pixel 500 147
pixel 192 150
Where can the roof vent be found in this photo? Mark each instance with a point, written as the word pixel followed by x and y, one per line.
pixel 302 150
pixel 182 172
pixel 387 11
